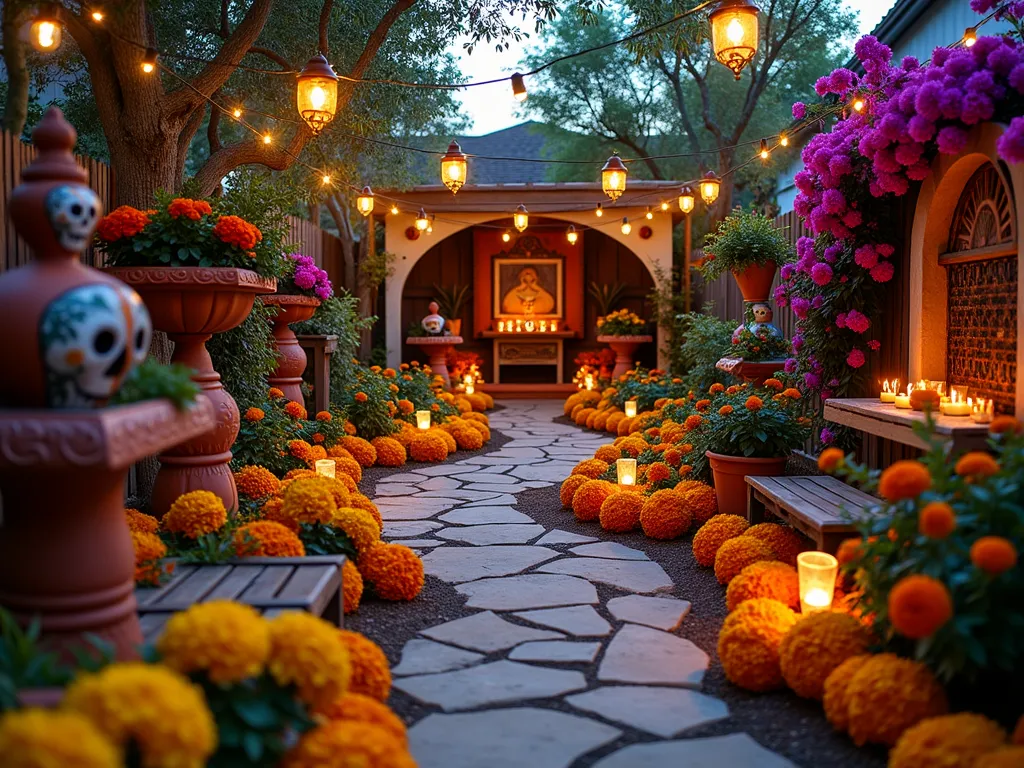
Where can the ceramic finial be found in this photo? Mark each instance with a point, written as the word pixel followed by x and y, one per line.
pixel 54 138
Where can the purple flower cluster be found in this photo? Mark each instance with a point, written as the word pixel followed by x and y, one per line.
pixel 309 277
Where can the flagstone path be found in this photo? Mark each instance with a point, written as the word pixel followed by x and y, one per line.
pixel 507 686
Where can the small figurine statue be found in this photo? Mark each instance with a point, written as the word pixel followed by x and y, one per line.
pixel 433 323
pixel 762 320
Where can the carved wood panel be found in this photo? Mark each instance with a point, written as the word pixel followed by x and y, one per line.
pixel 984 215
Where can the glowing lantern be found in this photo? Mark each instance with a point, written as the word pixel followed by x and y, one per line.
pixel 630 407
pixel 316 93
pixel 817 573
pixel 454 168
pixel 686 199
pixel 149 61
pixel 625 469
pixel 521 218
pixel 734 33
pixel 709 187
pixel 613 177
pixel 518 87
pixel 570 235
pixel 423 419
pixel 365 201
pixel 326 467
pixel 422 222
pixel 45 34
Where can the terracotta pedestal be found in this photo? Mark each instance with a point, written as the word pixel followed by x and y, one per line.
pixel 436 348
pixel 190 304
pixel 65 551
pixel 291 359
pixel 625 348
pixel 730 473
pixel 754 372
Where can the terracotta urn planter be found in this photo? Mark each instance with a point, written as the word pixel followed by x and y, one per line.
pixel 755 281
pixel 190 304
pixel 436 348
pixel 291 358
pixel 730 473
pixel 625 348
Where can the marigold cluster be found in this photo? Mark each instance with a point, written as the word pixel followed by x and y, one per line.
pixel 360 708
pixel 951 740
pixel 195 514
pixel 140 522
pixel 701 500
pixel 658 471
pixel 295 409
pixel 748 643
pixel 38 738
pixel 620 511
pixel 123 221
pixel 665 514
pixel 587 501
pixel 936 520
pixel 736 554
pixel 227 641
pixel 765 578
pixel 815 646
pixel 148 550
pixel 190 209
pixel 834 698
pixel 592 468
pixel 976 465
pixel 362 450
pixel 394 570
pixel 390 452
pixel 831 459
pixel 267 538
pixel 713 534
pixel 906 479
pixel 1003 757
pixel 307 500
pixel 254 414
pixel 994 555
pixel 347 744
pixel 919 606
pixel 785 542
pixel 305 652
pixel 570 485
pixel 428 447
pixel 467 437
pixel 351 587
pixel 371 674
pixel 235 230
pixel 256 482
pixel 358 525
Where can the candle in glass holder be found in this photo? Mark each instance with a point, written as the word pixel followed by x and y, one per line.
pixel 325 467
pixel 817 575
pixel 543 326
pixel 981 410
pixel 588 382
pixel 888 393
pixel 423 419
pixel 530 326
pixel 554 326
pixel 501 326
pixel 630 408
pixel 470 389
pixel 902 400
pixel 957 404
pixel 625 469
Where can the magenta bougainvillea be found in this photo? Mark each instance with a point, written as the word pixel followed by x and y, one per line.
pixel 851 174
pixel 304 277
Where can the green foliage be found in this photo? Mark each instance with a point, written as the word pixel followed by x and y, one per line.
pixel 265 440
pixel 23 663
pixel 377 267
pixel 744 239
pixel 667 307
pixel 416 386
pixel 706 340
pixel 646 387
pixel 605 296
pixel 368 401
pixel 210 548
pixel 244 356
pixel 321 539
pixel 759 344
pixel 152 380
pixel 452 300
pixel 980 646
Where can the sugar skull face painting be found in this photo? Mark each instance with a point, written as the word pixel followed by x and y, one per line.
pixel 90 338
pixel 73 213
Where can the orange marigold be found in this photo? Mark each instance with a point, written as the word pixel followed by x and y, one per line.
pixel 124 221
pixel 394 570
pixel 569 487
pixel 633 446
pixel 295 410
pixel 949 740
pixel 301 450
pixel 390 452
pixel 428 446
pixel 784 541
pixel 607 454
pixel 773 383
pixel 692 422
pixel 815 646
pixel 736 554
pixel 148 550
pixel 765 578
pixel 266 538
pixel 347 744
pixel 791 393
pixel 275 394
pixel 673 457
pixel 702 405
pixel 587 501
pixel 361 397
pixel 993 554
pixel 467 438
pixel 713 534
pixel 725 410
pixel 919 605
pixel 348 466
pixel 834 692
pixel 658 471
pixel 359 708
pixel 936 520
pixel 716 388
pixel 701 500
pixel 194 514
pixel 308 500
pixel 665 515
pixel 256 482
pixel 831 459
pixel 371 675
pixel 748 643
pixel 235 230
pixel 1004 425
pixel 620 512
pixel 351 587
pixel 906 479
pixel 976 464
pixel 406 406
pixel 754 403
pixel 138 521
pixel 1004 757
pixel 254 414
pixel 849 550
pixel 362 450
pixel 190 209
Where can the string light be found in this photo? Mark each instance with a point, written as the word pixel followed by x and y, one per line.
pixel 686 199
pixel 970 37
pixel 149 61
pixel 518 87
pixel 364 203
pixel 316 93
pixel 709 187
pixel 626 226
pixel 649 214
pixel 783 140
pixel 764 153
pixel 97 15
pixel 664 205
pixel 267 138
pixel 521 218
pixel 599 211
pixel 571 235
pixel 506 236
pixel 394 210
pixel 734 33
pixel 236 113
pixel 45 34
pixel 326 179
pixel 421 221
pixel 613 177
pixel 858 104
pixel 454 168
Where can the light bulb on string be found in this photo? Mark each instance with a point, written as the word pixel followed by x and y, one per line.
pixel 664 205
pixel 364 203
pixel 649 214
pixel 149 61
pixel 626 227
pixel 326 179
pixel 858 104
pixel 394 210
pixel 236 113
pixel 613 177
pixel 421 221
pixel 521 218
pixel 709 187
pixel 783 140
pixel 970 37
pixel 687 201
pixel 45 34
pixel 267 138
pixel 764 153
pixel 506 236
pixel 518 87
pixel 97 15
pixel 599 211
pixel 454 168
pixel 316 93
pixel 571 235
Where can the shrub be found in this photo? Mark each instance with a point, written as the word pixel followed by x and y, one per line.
pixel 744 239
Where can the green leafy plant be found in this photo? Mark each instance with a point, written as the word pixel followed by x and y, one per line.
pixel 668 310
pixel 267 431
pixel 377 267
pixel 451 301
pixel 744 239
pixel 417 387
pixel 646 387
pixel 605 296
pixel 368 400
pixel 244 356
pixel 339 316
pixel 759 344
pixel 705 340
pixel 23 664
pixel 152 380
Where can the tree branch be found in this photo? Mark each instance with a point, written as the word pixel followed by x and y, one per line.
pixel 211 129
pixel 275 57
pixel 250 152
pixel 325 22
pixel 373 44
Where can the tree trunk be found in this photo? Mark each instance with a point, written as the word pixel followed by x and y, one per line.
pixel 726 157
pixel 16 108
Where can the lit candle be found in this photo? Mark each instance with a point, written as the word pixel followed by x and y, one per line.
pixel 519 326
pixel 325 467
pixel 817 575
pixel 956 405
pixel 554 326
pixel 543 325
pixel 630 408
pixel 888 394
pixel 470 389
pixel 501 326
pixel 902 400
pixel 529 326
pixel 589 381
pixel 626 471
pixel 423 419
pixel 981 410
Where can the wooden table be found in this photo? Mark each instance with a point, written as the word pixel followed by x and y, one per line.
pixel 272 585
pixel 891 423
pixel 319 349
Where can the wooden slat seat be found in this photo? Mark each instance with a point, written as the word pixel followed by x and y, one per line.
pixel 272 585
pixel 822 508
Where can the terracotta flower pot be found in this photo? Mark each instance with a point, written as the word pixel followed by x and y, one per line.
pixel 730 473
pixel 625 348
pixel 755 281
pixel 291 358
pixel 190 304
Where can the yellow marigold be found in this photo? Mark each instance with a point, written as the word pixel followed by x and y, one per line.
pixel 765 578
pixel 256 482
pixel 773 383
pixel 358 525
pixel 887 695
pixel 831 459
pixel 748 643
pixel 658 471
pixel 349 466
pixel 394 570
pixel 633 446
pixel 571 402
pixel 371 675
pixel 1004 757
pixel 295 410
pixel 359 501
pixel 815 646
pixel 701 500
pixel 347 744
pixel 715 532
pixel 467 438
pixel 993 554
pixel 736 554
pixel 624 426
pixel 140 522
pixel 227 641
pixel 305 652
pixel 569 487
pixel 359 708
pixel 390 452
pixel 592 468
pixel 361 450
pixel 834 693
pixel 150 706
pixel 194 514
pixel 906 479
pixel 665 515
pixel 148 550
pixel 587 501
pixel 692 422
pixel 37 738
pixel 428 448
pixel 785 542
pixel 976 464
pixel 1004 425
pixel 267 538
pixel 309 500
pixel 608 454
pixel 919 605
pixel 936 520
pixel 620 512
pixel 480 418
pixel 589 423
pixel 351 587
pixel 725 410
pixel 753 403
pixel 947 741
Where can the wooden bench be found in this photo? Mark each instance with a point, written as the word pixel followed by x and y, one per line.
pixel 319 351
pixel 821 507
pixel 272 585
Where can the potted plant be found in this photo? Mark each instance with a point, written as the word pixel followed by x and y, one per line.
pixel 751 247
pixel 300 289
pixel 605 296
pixel 451 302
pixel 198 267
pixel 623 331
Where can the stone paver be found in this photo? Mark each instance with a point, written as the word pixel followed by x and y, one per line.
pixel 423 657
pixel 485 516
pixel 639 654
pixel 506 738
pixel 611 549
pixel 557 536
pixel 630 575
pixel 537 590
pixel 556 651
pixel 581 620
pixel 659 612
pixel 482 535
pixel 413 528
pixel 486 632
pixel 665 712
pixel 737 750
pixel 419 543
pixel 458 564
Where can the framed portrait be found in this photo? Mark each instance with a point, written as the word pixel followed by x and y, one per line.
pixel 528 286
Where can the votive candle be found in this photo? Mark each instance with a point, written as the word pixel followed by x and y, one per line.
pixel 630 408
pixel 625 469
pixel 326 467
pixel 423 419
pixel 902 400
pixel 817 573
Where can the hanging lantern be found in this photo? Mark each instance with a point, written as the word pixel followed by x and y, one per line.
pixel 422 222
pixel 709 187
pixel 686 199
pixel 454 168
pixel 571 235
pixel 613 177
pixel 45 34
pixel 316 92
pixel 518 87
pixel 626 226
pixel 506 236
pixel 599 211
pixel 365 201
pixel 734 33
pixel 521 218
